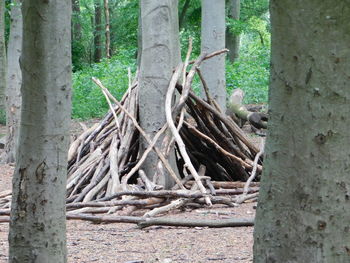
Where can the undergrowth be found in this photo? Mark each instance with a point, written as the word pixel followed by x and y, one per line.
pixel 250 73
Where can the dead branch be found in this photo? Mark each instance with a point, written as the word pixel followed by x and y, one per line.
pixel 233 222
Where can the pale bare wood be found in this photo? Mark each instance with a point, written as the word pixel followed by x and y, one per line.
pixel 179 141
pixel 161 156
pixel 5 193
pixel 74 146
pixel 4 219
pixel 175 204
pixel 243 197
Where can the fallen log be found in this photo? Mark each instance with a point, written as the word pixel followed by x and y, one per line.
pixel 235 106
pixel 232 222
pixel 226 185
pixel 163 221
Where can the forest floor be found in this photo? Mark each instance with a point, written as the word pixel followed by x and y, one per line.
pixel 122 243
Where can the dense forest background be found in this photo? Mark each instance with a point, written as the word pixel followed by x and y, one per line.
pixel 250 71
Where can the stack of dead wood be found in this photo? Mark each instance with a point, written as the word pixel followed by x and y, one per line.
pixel 105 161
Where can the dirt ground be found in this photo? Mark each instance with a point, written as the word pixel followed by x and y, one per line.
pixel 122 243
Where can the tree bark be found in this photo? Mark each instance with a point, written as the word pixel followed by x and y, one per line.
pixel 139 40
pixel 77 33
pixel 13 92
pixel 213 38
pixel 98 32
pixel 37 228
pixel 107 29
pixel 303 212
pixel 3 65
pixel 232 39
pixel 160 55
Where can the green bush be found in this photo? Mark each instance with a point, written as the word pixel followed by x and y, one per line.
pixel 88 100
pixel 250 72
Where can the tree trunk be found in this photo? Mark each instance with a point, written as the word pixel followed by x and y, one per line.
pixel 13 92
pixel 77 34
pixel 37 228
pixel 175 39
pixel 139 40
pixel 304 208
pixel 232 39
pixel 2 58
pixel 160 54
pixel 213 38
pixel 98 32
pixel 108 33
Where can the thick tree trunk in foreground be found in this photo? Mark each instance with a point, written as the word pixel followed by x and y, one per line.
pixel 213 38
pixel 98 32
pixel 13 92
pixel 304 202
pixel 233 40
pixel 37 228
pixel 3 75
pixel 160 55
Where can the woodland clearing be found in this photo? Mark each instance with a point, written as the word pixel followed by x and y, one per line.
pixel 121 243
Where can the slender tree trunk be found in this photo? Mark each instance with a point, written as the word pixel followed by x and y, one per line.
pixel 183 13
pixel 160 54
pixel 3 75
pixel 108 33
pixel 37 228
pixel 13 92
pixel 98 32
pixel 304 208
pixel 213 38
pixel 76 20
pixel 112 34
pixel 232 39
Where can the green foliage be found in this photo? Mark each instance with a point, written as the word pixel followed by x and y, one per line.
pixel 185 35
pixel 124 26
pixel 78 53
pixel 251 70
pixel 8 5
pixel 250 8
pixel 88 100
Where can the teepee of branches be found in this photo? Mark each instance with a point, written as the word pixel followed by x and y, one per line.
pixel 217 162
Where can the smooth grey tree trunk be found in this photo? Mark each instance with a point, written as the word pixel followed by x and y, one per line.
pixel 3 75
pixel 213 38
pixel 160 55
pixel 38 225
pixel 233 40
pixel 303 213
pixel 13 92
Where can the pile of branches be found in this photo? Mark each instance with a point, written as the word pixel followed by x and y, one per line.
pixel 105 162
